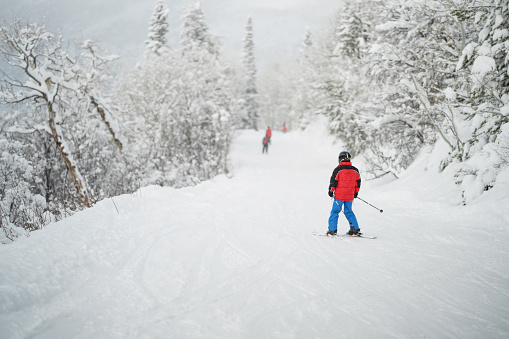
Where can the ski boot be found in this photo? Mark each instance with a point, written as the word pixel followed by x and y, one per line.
pixel 331 233
pixel 354 231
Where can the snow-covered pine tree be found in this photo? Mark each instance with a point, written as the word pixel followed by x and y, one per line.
pixel 339 82
pixel 488 63
pixel 486 96
pixel 204 111
pixel 412 62
pixel 177 110
pixel 305 46
pixel 195 34
pixel 250 93
pixel 351 30
pixel 158 28
pixel 396 125
pixel 303 71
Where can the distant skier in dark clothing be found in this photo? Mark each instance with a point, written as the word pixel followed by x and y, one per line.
pixel 344 186
pixel 265 144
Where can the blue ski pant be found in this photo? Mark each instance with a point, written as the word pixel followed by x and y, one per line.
pixel 334 214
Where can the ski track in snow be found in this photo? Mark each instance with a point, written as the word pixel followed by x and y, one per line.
pixel 236 258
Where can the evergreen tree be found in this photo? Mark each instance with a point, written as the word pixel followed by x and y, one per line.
pixel 158 28
pixel 178 110
pixel 305 45
pixel 303 98
pixel 412 62
pixel 194 34
pixel 339 82
pixel 251 93
pixel 351 31
pixel 484 100
pixel 488 62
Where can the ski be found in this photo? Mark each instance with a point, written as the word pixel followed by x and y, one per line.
pixel 355 236
pixel 325 235
pixel 342 235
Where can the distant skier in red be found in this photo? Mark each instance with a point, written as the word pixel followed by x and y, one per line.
pixel 344 186
pixel 268 132
pixel 265 144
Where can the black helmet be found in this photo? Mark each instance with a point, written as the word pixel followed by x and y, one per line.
pixel 344 156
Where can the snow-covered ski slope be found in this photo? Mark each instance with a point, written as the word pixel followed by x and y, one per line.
pixel 236 258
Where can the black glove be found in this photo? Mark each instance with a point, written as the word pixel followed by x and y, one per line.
pixel 355 195
pixel 331 194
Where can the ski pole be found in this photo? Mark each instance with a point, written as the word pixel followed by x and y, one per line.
pixel 381 211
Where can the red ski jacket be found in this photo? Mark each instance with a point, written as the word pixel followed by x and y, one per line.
pixel 345 181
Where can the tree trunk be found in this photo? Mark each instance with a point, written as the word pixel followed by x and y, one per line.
pixel 106 122
pixel 70 168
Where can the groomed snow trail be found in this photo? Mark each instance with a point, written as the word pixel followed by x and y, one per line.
pixel 236 258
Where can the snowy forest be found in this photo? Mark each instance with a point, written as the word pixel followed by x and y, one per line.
pixel 392 77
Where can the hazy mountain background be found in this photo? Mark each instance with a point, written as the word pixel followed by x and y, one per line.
pixel 121 25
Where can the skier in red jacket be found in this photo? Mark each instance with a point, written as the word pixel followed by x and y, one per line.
pixel 268 132
pixel 345 183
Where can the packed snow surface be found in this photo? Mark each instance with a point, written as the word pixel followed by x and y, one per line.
pixel 236 258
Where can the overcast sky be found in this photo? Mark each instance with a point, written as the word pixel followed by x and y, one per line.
pixel 121 25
